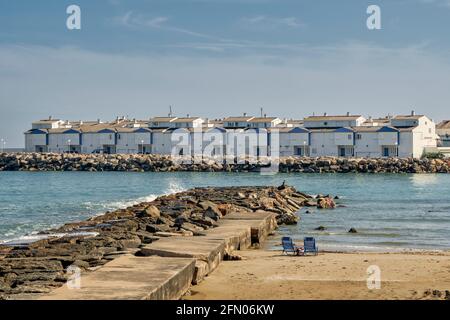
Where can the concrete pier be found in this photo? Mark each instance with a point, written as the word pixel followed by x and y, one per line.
pixel 235 231
pixel 207 253
pixel 166 268
pixel 132 278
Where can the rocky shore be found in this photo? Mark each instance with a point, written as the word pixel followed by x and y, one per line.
pixel 28 269
pixel 163 163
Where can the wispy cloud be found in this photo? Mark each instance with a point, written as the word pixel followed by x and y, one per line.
pixel 130 19
pixel 269 21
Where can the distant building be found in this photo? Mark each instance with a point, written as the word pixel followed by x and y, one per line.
pixel 264 122
pixel 237 122
pixel 338 135
pixel 333 122
pixel 443 131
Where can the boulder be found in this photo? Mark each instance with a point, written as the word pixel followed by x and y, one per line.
pixel 325 203
pixel 213 213
pixel 287 218
pixel 152 211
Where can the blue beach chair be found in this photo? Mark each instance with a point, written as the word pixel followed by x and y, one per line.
pixel 289 246
pixel 309 246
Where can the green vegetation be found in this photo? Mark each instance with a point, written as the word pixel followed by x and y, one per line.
pixel 433 155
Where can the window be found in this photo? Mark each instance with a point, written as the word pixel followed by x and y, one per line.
pixel 325 123
pixel 358 136
pixel 349 137
pixel 118 136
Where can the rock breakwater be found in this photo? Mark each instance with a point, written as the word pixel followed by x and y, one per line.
pixel 164 163
pixel 28 269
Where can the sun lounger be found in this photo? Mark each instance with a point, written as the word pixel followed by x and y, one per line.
pixel 309 246
pixel 289 246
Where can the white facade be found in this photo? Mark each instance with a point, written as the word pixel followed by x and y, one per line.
pixel 187 123
pixel 264 122
pixel 134 141
pixel 237 122
pixel 294 142
pixel 36 141
pixel 333 121
pixel 409 137
pixel 322 143
pixel 47 124
pixel 63 142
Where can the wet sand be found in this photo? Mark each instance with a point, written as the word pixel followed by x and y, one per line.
pixel 265 274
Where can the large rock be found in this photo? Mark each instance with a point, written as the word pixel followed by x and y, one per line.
pixel 287 218
pixel 213 213
pixel 325 203
pixel 152 211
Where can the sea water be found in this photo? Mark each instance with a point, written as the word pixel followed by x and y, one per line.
pixel 389 211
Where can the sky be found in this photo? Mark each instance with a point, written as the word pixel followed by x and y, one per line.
pixel 215 58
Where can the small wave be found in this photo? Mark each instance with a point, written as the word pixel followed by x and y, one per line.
pixel 123 204
pixel 175 188
pixel 23 240
pixel 88 208
pixel 128 203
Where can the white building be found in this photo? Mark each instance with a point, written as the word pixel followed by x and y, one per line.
pixel 333 122
pixel 264 122
pixel 376 141
pixel 188 122
pixel 237 122
pixel 294 141
pixel 341 136
pixel 443 131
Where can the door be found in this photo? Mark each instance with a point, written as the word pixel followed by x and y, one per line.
pixel 147 150
pixel 342 152
pixel 385 152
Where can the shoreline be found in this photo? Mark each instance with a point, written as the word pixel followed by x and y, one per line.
pixel 273 243
pixel 266 274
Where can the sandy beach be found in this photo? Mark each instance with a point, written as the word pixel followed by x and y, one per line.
pixel 267 274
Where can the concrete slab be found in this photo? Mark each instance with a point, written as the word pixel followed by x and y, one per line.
pixel 132 278
pixel 235 233
pixel 207 252
pixel 258 215
pixel 251 228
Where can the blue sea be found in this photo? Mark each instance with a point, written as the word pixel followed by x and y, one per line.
pixel 391 212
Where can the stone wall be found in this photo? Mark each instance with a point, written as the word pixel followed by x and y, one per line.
pixel 160 163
